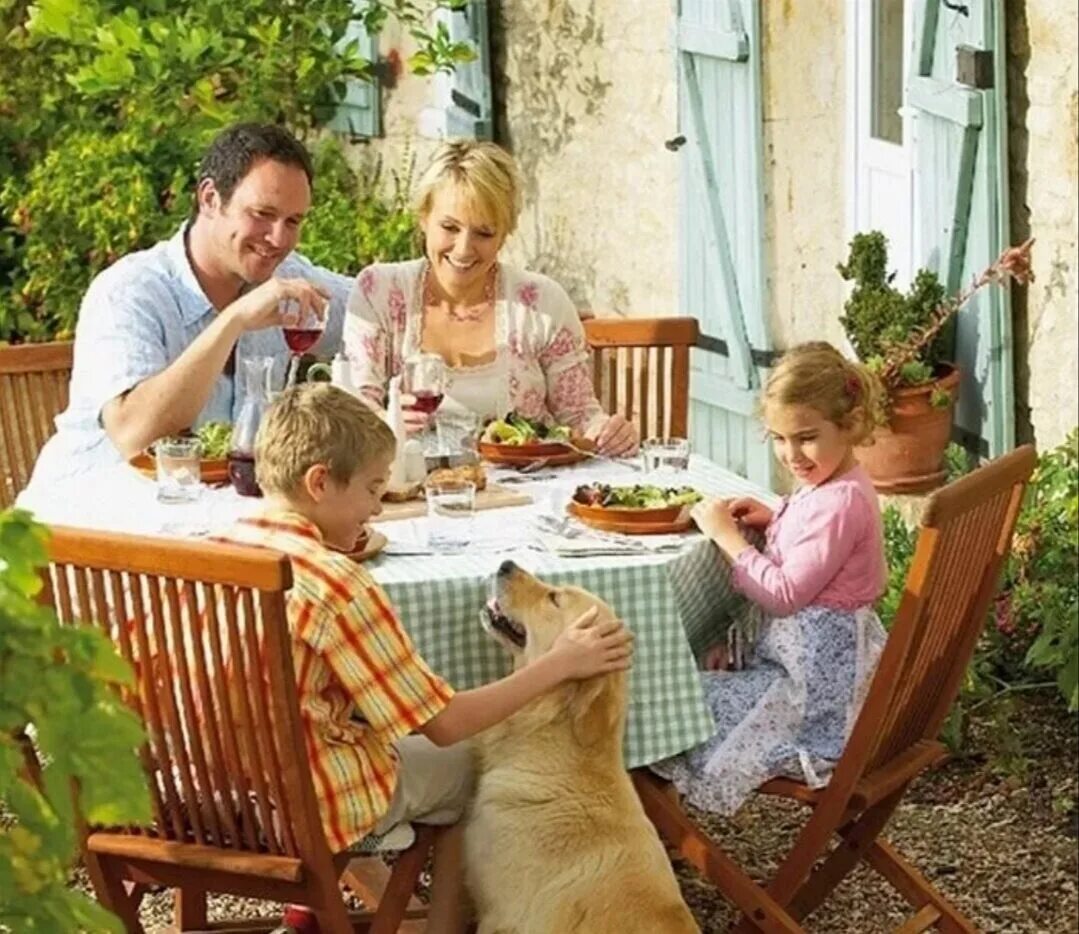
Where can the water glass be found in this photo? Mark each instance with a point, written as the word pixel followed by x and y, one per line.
pixel 178 469
pixel 665 455
pixel 451 507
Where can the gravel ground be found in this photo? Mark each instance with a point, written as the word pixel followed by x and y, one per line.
pixel 999 840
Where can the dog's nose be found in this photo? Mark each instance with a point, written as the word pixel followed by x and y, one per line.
pixel 506 568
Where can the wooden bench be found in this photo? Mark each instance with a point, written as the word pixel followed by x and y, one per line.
pixel 965 537
pixel 203 626
pixel 34 382
pixel 641 370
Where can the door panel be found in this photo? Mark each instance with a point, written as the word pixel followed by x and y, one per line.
pixel 721 227
pixel 961 200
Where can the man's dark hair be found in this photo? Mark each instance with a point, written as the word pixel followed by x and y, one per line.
pixel 236 149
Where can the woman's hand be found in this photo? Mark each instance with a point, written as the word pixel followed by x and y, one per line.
pixel 751 513
pixel 617 438
pixel 588 648
pixel 414 419
pixel 714 519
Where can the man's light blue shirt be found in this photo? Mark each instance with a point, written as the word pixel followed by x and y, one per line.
pixel 136 318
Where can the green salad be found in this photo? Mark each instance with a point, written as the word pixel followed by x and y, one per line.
pixel 516 429
pixel 216 438
pixel 640 496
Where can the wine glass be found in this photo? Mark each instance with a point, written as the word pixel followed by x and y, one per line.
pixel 424 378
pixel 302 330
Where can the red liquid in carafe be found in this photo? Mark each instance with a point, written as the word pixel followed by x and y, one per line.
pixel 426 401
pixel 301 339
pixel 242 474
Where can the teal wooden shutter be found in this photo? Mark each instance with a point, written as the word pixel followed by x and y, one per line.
pixel 722 280
pixel 463 97
pixel 358 112
pixel 961 198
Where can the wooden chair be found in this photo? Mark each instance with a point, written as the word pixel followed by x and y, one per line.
pixel 33 391
pixel 203 626
pixel 965 537
pixel 641 370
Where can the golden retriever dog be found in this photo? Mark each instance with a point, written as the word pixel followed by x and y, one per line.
pixel 557 841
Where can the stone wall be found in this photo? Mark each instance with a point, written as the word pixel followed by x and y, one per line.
pixel 1043 98
pixel 586 95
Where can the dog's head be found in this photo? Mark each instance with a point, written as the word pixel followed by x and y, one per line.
pixel 527 615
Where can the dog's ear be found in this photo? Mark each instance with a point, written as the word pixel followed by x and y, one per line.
pixel 594 708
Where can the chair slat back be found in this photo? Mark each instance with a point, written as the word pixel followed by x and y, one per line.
pixel 965 536
pixel 203 626
pixel 641 370
pixel 33 391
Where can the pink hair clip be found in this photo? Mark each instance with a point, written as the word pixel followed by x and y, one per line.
pixel 853 386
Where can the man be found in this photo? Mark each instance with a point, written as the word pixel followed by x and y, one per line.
pixel 160 332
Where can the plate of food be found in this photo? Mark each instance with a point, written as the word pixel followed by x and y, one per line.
pixel 516 440
pixel 640 509
pixel 214 463
pixel 368 544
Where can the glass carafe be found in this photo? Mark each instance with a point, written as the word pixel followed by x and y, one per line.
pixel 255 374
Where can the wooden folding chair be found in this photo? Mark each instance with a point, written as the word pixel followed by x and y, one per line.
pixel 641 370
pixel 33 391
pixel 203 626
pixel 965 537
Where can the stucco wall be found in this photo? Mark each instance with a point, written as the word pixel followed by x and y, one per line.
pixel 804 101
pixel 585 98
pixel 1044 126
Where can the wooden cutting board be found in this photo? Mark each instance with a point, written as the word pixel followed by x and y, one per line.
pixel 494 497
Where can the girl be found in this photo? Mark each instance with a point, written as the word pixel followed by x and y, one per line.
pixel 789 712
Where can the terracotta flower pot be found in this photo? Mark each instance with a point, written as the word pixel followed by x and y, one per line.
pixel 907 454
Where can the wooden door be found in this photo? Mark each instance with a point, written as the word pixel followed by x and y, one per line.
pixel 956 90
pixel 722 281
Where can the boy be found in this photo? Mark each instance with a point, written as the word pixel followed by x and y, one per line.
pixel 322 459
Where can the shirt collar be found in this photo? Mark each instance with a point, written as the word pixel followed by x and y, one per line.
pixel 196 304
pixel 285 521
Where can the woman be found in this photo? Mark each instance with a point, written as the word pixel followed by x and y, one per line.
pixel 510 339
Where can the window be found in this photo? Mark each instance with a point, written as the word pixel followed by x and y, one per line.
pixel 887 94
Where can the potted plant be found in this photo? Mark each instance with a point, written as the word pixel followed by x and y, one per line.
pixel 902 337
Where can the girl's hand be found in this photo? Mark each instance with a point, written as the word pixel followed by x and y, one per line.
pixel 717 658
pixel 751 513
pixel 617 438
pixel 588 648
pixel 714 519
pixel 415 420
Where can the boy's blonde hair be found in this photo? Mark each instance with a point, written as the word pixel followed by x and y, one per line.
pixel 483 172
pixel 817 375
pixel 316 423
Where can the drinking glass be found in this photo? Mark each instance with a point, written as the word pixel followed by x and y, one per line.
pixel 451 507
pixel 178 469
pixel 424 378
pixel 665 455
pixel 301 330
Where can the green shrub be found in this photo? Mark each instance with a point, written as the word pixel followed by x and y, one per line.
pixel 106 107
pixel 62 679
pixel 878 316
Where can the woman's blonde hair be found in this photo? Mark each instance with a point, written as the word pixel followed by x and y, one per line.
pixel 483 172
pixel 817 375
pixel 316 423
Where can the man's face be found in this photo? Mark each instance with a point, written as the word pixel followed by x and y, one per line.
pixel 261 222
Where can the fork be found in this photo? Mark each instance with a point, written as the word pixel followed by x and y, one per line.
pixel 633 465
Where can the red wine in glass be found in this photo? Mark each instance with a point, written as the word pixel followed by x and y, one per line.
pixel 242 473
pixel 301 340
pixel 427 401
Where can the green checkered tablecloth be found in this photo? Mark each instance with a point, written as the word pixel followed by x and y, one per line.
pixel 675 603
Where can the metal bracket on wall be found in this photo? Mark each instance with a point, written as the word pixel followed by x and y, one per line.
pixel 717 345
pixel 974 67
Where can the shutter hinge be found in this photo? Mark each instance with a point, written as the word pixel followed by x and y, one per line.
pixel 974 67
pixel 766 359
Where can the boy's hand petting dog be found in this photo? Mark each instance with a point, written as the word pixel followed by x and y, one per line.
pixel 750 513
pixel 588 647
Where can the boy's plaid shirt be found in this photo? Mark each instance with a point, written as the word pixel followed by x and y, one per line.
pixel 361 684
